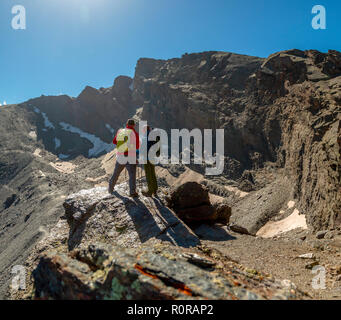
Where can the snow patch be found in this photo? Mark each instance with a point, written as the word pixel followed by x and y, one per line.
pixel 47 123
pixel 291 204
pixel 110 128
pixel 63 156
pixel 36 110
pixel 57 143
pixel 33 135
pixel 99 146
pixel 274 228
pixel 37 152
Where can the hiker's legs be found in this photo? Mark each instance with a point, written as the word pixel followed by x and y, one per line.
pixel 118 169
pixel 148 177
pixel 149 169
pixel 131 168
pixel 154 180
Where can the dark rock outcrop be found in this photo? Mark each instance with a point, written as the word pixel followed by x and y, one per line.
pixel 189 195
pixel 191 203
pixel 261 206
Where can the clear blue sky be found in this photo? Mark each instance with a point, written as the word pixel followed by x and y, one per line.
pixel 69 44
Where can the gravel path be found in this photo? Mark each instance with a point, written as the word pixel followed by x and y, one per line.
pixel 279 257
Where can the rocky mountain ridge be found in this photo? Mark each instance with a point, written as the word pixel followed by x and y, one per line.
pixel 280 115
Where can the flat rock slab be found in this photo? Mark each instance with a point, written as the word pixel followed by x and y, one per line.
pixel 258 208
pixel 96 215
pixel 309 255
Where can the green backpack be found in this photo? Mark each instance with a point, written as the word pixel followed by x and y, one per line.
pixel 123 137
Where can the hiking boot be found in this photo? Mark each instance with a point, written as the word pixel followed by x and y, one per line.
pixel 134 195
pixel 110 189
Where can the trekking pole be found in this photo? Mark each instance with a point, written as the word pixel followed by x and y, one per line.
pixel 140 175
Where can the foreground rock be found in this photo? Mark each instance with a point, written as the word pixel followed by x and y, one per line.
pixel 94 214
pixel 101 271
pixel 115 247
pixel 191 202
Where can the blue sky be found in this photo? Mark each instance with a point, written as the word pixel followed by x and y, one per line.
pixel 69 44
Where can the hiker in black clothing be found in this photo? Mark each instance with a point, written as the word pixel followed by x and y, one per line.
pixel 149 167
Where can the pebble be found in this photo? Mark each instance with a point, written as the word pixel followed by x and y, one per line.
pixel 307 256
pixel 321 234
pixel 311 265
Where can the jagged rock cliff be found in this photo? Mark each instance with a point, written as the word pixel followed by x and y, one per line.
pixel 283 109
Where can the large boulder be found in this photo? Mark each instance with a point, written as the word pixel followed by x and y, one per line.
pixel 191 202
pixel 96 215
pixel 188 195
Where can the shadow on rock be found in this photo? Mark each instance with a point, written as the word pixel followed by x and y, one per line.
pixel 212 232
pixel 93 214
pixel 141 216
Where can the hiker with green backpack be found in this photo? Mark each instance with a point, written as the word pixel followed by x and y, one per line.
pixel 127 142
